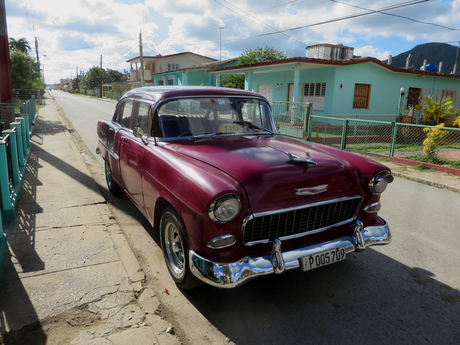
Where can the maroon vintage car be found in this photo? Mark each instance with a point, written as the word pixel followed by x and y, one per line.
pixel 232 198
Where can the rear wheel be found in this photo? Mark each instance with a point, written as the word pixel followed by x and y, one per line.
pixel 111 184
pixel 175 250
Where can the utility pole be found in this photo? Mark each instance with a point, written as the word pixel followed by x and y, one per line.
pixel 6 82
pixel 142 59
pixel 36 48
pixel 100 84
pixel 220 41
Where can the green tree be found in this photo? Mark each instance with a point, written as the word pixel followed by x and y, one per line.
pixel 76 82
pixel 235 81
pixel 97 75
pixel 25 71
pixel 251 56
pixel 114 76
pixel 260 55
pixel 21 44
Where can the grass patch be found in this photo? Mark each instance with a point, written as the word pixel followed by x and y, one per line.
pixel 420 167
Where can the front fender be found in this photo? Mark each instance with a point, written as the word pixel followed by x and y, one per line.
pixel 190 186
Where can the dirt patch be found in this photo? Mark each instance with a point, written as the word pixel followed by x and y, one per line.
pixel 60 329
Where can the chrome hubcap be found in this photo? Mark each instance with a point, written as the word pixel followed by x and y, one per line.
pixel 174 250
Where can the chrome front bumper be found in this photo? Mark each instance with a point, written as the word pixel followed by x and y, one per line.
pixel 230 275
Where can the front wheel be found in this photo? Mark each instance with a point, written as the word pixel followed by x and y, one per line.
pixel 175 250
pixel 111 184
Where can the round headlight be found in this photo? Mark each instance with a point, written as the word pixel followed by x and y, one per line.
pixel 225 208
pixel 379 182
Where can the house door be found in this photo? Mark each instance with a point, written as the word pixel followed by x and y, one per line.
pixel 291 92
pixel 266 90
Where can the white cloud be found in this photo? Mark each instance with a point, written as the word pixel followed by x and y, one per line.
pixel 111 28
pixel 372 52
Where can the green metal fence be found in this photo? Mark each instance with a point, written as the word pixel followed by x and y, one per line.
pixel 438 145
pixel 114 95
pixel 14 153
pixel 291 117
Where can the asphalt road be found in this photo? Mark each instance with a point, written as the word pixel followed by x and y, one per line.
pixel 403 293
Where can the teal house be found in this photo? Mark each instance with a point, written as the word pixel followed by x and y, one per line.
pixel 338 84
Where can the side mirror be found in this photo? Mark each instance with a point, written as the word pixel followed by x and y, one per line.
pixel 138 132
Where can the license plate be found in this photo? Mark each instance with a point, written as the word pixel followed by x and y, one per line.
pixel 327 257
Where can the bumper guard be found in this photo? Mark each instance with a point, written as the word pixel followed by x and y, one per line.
pixel 230 275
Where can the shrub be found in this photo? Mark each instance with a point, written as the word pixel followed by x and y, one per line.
pixel 433 139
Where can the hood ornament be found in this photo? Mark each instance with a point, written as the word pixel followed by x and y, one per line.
pixel 311 190
pixel 296 159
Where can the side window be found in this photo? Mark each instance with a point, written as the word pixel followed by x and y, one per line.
pixel 125 114
pixel 141 116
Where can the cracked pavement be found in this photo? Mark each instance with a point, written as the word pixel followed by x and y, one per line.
pixel 70 264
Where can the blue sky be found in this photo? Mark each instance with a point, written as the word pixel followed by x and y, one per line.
pixel 74 33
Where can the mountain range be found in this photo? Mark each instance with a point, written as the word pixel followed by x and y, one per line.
pixel 433 53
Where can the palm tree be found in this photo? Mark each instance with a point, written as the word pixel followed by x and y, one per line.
pixel 21 44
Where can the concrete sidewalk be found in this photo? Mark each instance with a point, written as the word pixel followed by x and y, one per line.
pixel 71 277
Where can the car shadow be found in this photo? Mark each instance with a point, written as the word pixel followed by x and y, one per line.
pixel 369 298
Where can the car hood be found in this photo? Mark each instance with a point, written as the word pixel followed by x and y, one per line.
pixel 262 166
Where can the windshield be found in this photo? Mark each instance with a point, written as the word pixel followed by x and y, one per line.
pixel 192 117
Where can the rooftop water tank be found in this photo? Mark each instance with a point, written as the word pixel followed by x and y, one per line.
pixel 430 67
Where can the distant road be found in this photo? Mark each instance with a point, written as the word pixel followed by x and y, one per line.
pixel 84 112
pixel 404 293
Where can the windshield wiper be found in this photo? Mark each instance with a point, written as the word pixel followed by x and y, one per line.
pixel 208 135
pixel 250 125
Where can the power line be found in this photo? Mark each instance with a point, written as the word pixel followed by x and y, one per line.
pixel 404 4
pixel 396 15
pixel 265 24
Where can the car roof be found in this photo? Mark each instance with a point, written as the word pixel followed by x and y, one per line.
pixel 157 93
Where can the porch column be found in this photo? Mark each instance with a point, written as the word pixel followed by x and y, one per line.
pixel 248 81
pixel 175 79
pixel 165 80
pixel 185 78
pixel 296 96
pixel 156 81
pixel 217 80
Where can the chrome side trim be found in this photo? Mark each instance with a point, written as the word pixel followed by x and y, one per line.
pixel 112 153
pixel 263 214
pixel 230 275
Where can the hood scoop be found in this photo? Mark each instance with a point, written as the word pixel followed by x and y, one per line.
pixel 296 159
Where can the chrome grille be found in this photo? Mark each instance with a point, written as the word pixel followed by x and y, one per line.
pixel 300 221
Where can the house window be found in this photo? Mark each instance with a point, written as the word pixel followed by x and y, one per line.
pixel 451 94
pixel 362 96
pixel 413 97
pixel 173 66
pixel 315 93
